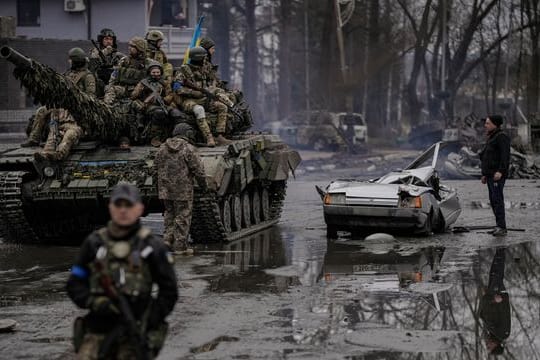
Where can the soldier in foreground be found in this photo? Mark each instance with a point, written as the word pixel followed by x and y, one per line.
pixel 199 93
pixel 178 166
pixel 113 277
pixel 128 73
pixel 154 39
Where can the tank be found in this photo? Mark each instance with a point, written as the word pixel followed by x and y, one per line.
pixel 61 201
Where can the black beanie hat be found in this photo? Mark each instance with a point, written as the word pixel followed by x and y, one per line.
pixel 496 119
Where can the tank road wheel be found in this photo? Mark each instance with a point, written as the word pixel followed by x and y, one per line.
pixel 226 215
pixel 236 213
pixel 265 204
pixel 255 207
pixel 246 207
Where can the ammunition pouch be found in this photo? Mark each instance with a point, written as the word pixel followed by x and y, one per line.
pixel 156 337
pixel 79 331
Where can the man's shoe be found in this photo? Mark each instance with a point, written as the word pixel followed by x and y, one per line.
pixel 29 143
pixel 221 140
pixel 499 232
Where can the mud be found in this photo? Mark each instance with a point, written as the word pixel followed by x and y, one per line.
pixel 287 293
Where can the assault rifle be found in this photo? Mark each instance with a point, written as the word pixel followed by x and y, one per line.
pixel 101 54
pixel 212 96
pixel 155 95
pixel 136 334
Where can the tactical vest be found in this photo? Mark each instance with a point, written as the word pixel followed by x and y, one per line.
pixel 76 76
pixel 128 75
pixel 156 55
pixel 124 262
pixel 196 74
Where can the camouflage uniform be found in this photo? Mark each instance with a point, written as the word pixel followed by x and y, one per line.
pixel 178 165
pixel 211 70
pixel 128 73
pixel 144 101
pixel 154 52
pixel 68 130
pixel 103 67
pixel 194 77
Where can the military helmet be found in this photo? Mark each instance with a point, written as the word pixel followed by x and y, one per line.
pixel 154 36
pixel 138 43
pixel 185 131
pixel 152 64
pixel 77 54
pixel 105 32
pixel 207 43
pixel 197 53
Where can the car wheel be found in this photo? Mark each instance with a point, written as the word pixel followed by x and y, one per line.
pixel 331 232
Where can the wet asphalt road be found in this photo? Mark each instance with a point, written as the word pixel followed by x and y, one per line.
pixel 286 293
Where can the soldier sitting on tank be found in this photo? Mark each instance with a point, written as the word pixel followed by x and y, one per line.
pixel 212 70
pixel 105 56
pixel 151 97
pixel 128 73
pixel 154 39
pixel 66 126
pixel 198 94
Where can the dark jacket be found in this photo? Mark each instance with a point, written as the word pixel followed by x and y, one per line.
pixel 495 155
pixel 161 270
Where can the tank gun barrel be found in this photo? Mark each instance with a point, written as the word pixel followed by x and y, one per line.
pixel 15 57
pixel 54 90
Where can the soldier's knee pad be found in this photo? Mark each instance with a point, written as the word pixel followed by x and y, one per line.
pixel 199 112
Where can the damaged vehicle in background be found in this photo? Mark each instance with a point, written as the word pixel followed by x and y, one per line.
pixel 410 200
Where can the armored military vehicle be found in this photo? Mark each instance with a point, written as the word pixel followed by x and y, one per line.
pixel 40 201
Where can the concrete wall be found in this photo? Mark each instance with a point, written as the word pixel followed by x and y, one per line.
pixel 126 17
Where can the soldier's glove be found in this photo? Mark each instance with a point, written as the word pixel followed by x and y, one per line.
pixel 107 51
pixel 102 305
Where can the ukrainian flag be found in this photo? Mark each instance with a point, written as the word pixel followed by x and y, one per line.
pixel 195 40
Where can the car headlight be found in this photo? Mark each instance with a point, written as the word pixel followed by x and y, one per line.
pixel 411 202
pixel 334 199
pixel 48 171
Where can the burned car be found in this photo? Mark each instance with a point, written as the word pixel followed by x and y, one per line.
pixel 410 200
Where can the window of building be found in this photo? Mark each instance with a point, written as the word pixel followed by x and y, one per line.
pixel 28 13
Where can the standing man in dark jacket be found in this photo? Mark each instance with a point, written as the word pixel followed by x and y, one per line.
pixel 494 307
pixel 178 168
pixel 114 276
pixel 495 157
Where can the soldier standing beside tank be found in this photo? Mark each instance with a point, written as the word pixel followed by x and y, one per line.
pixel 151 97
pixel 113 277
pixel 105 56
pixel 178 166
pixel 199 93
pixel 154 39
pixel 128 73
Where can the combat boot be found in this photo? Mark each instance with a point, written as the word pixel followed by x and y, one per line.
pixel 221 140
pixel 30 143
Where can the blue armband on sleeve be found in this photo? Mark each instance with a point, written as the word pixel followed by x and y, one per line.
pixel 176 85
pixel 79 271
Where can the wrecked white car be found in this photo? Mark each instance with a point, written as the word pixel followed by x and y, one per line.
pixel 410 200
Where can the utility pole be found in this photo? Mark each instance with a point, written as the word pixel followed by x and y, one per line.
pixel 443 57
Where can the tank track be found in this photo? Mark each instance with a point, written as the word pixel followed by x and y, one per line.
pixel 14 225
pixel 207 225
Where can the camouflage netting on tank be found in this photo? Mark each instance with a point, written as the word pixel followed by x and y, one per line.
pixel 51 89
